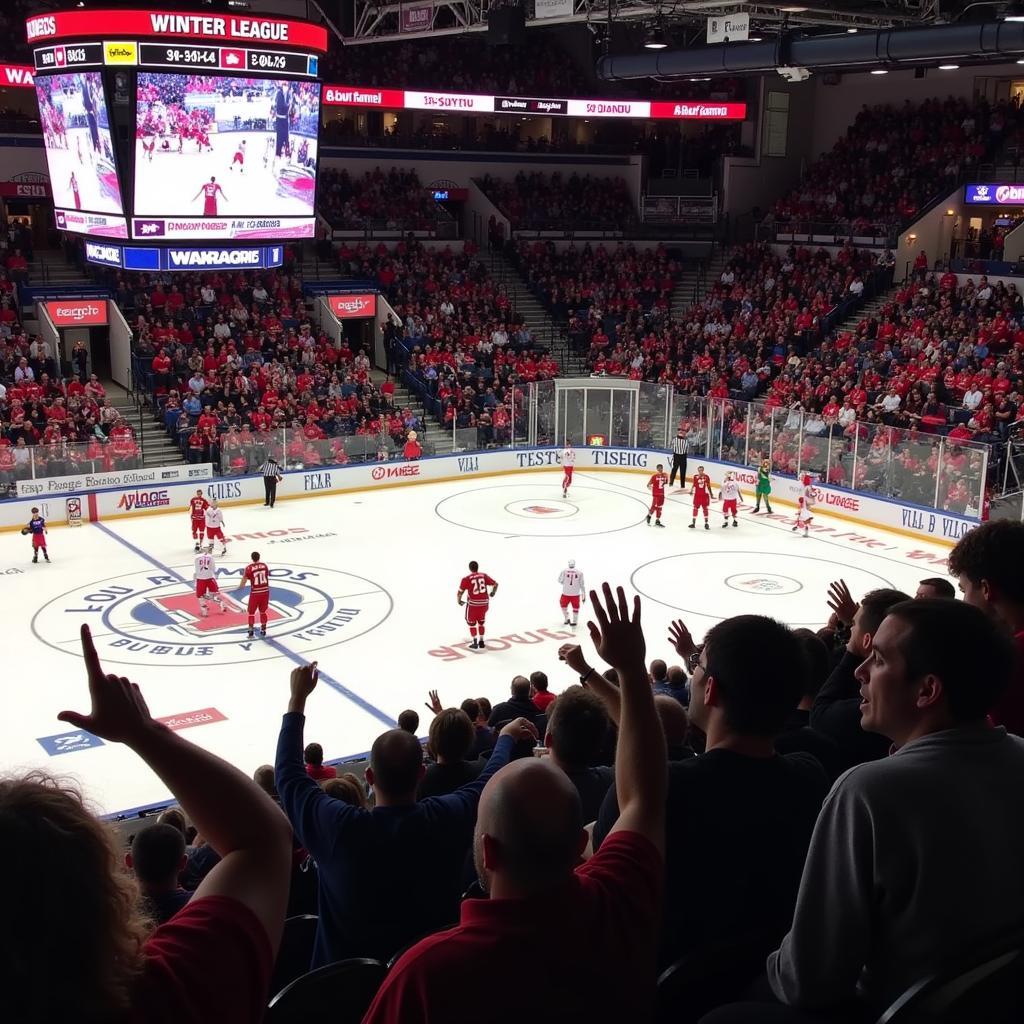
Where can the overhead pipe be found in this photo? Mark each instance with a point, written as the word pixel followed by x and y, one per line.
pixel 890 47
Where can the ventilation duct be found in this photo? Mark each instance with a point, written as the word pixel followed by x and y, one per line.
pixel 986 42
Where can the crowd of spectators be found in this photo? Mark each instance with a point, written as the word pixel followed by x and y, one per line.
pixel 50 424
pixel 458 339
pixel 605 826
pixel 894 160
pixel 547 201
pixel 237 371
pixel 576 279
pixel 394 199
pixel 460 64
pixel 936 360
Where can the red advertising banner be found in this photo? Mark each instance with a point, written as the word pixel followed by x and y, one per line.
pixel 225 28
pixel 16 76
pixel 25 189
pixel 417 17
pixel 190 719
pixel 352 307
pixel 77 312
pixel 411 99
pixel 699 110
pixel 362 96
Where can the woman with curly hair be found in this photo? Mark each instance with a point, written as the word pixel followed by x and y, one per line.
pixel 74 942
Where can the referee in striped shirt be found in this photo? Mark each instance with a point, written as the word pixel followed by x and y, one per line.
pixel 271 472
pixel 680 443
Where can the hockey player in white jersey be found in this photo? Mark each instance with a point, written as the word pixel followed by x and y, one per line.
pixel 214 517
pixel 572 592
pixel 568 464
pixel 206 581
pixel 730 495
pixel 804 504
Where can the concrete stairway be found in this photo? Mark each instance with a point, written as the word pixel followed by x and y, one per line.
pixel 871 308
pixel 157 447
pixel 688 288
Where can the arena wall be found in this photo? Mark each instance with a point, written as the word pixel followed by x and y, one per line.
pixel 834 503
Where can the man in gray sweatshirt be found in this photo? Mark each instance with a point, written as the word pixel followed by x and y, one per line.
pixel 915 861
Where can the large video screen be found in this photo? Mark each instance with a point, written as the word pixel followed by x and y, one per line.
pixel 79 150
pixel 224 156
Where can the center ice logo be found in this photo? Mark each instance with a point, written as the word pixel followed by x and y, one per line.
pixel 153 618
pixel 764 583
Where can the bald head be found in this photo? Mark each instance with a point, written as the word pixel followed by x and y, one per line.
pixel 529 829
pixel 673 718
pixel 396 764
pixel 521 688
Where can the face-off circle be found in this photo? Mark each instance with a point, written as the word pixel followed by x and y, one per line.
pixel 153 618
pixel 539 510
pixel 763 583
pixel 720 584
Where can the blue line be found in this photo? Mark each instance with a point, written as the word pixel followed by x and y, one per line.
pixel 333 683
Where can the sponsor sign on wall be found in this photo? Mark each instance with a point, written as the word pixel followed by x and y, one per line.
pixel 915 521
pixel 994 195
pixel 353 307
pixel 157 475
pixel 77 312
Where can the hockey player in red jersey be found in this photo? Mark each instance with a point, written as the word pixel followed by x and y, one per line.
pixel 257 576
pixel 479 589
pixel 701 491
pixel 197 507
pixel 656 485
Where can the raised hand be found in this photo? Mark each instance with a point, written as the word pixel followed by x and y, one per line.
pixel 303 683
pixel 841 602
pixel 435 702
pixel 520 729
pixel 617 636
pixel 572 655
pixel 119 712
pixel 681 639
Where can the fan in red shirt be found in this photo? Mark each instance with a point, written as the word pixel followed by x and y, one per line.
pixel 656 485
pixel 701 491
pixel 197 507
pixel 475 586
pixel 257 576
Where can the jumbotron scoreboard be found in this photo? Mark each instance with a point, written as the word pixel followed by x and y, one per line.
pixel 171 127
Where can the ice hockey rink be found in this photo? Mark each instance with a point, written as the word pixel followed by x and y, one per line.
pixel 365 583
pixel 98 190
pixel 168 183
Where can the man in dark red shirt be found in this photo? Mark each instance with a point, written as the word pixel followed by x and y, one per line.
pixel 988 564
pixel 591 928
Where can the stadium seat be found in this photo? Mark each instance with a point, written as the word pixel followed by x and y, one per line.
pixel 340 993
pixel 700 981
pixel 296 952
pixel 986 988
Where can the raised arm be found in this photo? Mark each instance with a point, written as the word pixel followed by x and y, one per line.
pixel 641 773
pixel 235 816
pixel 572 655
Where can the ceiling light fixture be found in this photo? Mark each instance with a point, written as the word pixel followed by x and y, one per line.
pixel 852 30
pixel 949 67
pixel 1013 12
pixel 792 9
pixel 879 71
pixel 656 40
